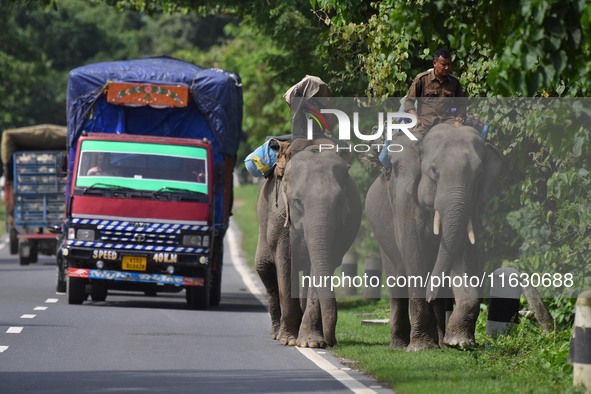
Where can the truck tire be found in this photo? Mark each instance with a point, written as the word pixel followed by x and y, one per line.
pixel 61 273
pixel 76 291
pixel 34 251
pixel 215 294
pixel 98 291
pixel 198 296
pixel 13 241
pixel 24 252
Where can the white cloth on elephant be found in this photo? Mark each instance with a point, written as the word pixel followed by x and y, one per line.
pixel 305 98
pixel 309 86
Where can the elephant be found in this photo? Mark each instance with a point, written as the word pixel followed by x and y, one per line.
pixel 308 218
pixel 426 219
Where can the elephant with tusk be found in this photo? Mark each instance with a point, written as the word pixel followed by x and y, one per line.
pixel 426 218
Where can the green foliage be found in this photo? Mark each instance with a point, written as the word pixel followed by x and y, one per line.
pixel 249 53
pixel 42 40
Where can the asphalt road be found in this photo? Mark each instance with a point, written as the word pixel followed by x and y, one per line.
pixel 136 343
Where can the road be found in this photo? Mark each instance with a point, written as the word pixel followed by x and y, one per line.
pixel 135 343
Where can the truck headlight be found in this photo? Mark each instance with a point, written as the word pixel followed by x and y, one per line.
pixel 84 234
pixel 205 242
pixel 192 240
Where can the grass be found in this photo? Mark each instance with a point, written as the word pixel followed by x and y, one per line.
pixel 245 216
pixel 528 361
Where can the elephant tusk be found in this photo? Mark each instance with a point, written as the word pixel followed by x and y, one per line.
pixel 286 202
pixel 471 236
pixel 436 223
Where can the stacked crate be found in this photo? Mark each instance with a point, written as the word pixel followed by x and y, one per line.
pixel 39 191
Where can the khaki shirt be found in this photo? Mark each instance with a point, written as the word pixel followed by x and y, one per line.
pixel 436 102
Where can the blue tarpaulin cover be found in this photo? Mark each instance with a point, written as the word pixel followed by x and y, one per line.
pixel 215 111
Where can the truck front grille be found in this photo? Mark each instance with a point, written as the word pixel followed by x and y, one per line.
pixel 129 235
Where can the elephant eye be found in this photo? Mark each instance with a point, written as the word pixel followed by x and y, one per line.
pixel 433 172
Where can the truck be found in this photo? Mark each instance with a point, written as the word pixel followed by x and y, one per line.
pixel 34 191
pixel 151 148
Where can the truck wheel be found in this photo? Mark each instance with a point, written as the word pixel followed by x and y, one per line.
pixel 61 269
pixel 34 251
pixel 198 296
pixel 215 295
pixel 76 291
pixel 98 291
pixel 216 283
pixel 24 252
pixel 13 241
pixel 61 274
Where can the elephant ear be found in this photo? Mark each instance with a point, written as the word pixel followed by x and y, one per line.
pixel 493 161
pixel 406 166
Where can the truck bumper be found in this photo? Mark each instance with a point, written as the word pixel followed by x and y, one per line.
pixel 157 268
pixel 138 277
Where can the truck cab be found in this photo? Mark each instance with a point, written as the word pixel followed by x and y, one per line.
pixel 141 211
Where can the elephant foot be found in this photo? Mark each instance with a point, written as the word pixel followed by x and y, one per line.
pixel 314 340
pixel 398 343
pixel 275 332
pixel 288 341
pixel 459 342
pixel 287 337
pixel 417 345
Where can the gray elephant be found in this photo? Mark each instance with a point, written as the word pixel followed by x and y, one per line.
pixel 426 218
pixel 308 219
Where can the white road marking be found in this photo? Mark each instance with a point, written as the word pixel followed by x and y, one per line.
pixel 14 330
pixel 347 380
pixel 3 348
pixel 28 316
pixel 40 308
pixel 51 300
pixel 239 263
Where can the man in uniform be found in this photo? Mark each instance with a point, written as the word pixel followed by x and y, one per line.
pixel 436 96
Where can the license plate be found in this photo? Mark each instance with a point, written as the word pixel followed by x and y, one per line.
pixel 134 263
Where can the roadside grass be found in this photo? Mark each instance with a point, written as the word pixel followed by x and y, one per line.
pixel 245 216
pixel 527 361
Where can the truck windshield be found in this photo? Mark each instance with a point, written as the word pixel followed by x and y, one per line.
pixel 142 166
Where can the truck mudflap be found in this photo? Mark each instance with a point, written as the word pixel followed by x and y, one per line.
pixel 141 277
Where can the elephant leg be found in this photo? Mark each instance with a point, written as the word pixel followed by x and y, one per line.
pixel 439 310
pixel 423 333
pixel 268 274
pixel 462 324
pixel 399 323
pixel 311 330
pixel 399 319
pixel 291 312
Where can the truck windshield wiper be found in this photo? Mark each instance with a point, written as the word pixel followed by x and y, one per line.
pixel 168 189
pixel 101 186
pixel 180 193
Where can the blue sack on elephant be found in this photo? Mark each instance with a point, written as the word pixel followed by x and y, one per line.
pixel 262 161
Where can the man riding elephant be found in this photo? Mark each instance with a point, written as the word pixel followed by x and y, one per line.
pixel 436 96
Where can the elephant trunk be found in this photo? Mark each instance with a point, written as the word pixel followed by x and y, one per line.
pixel 453 220
pixel 321 244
